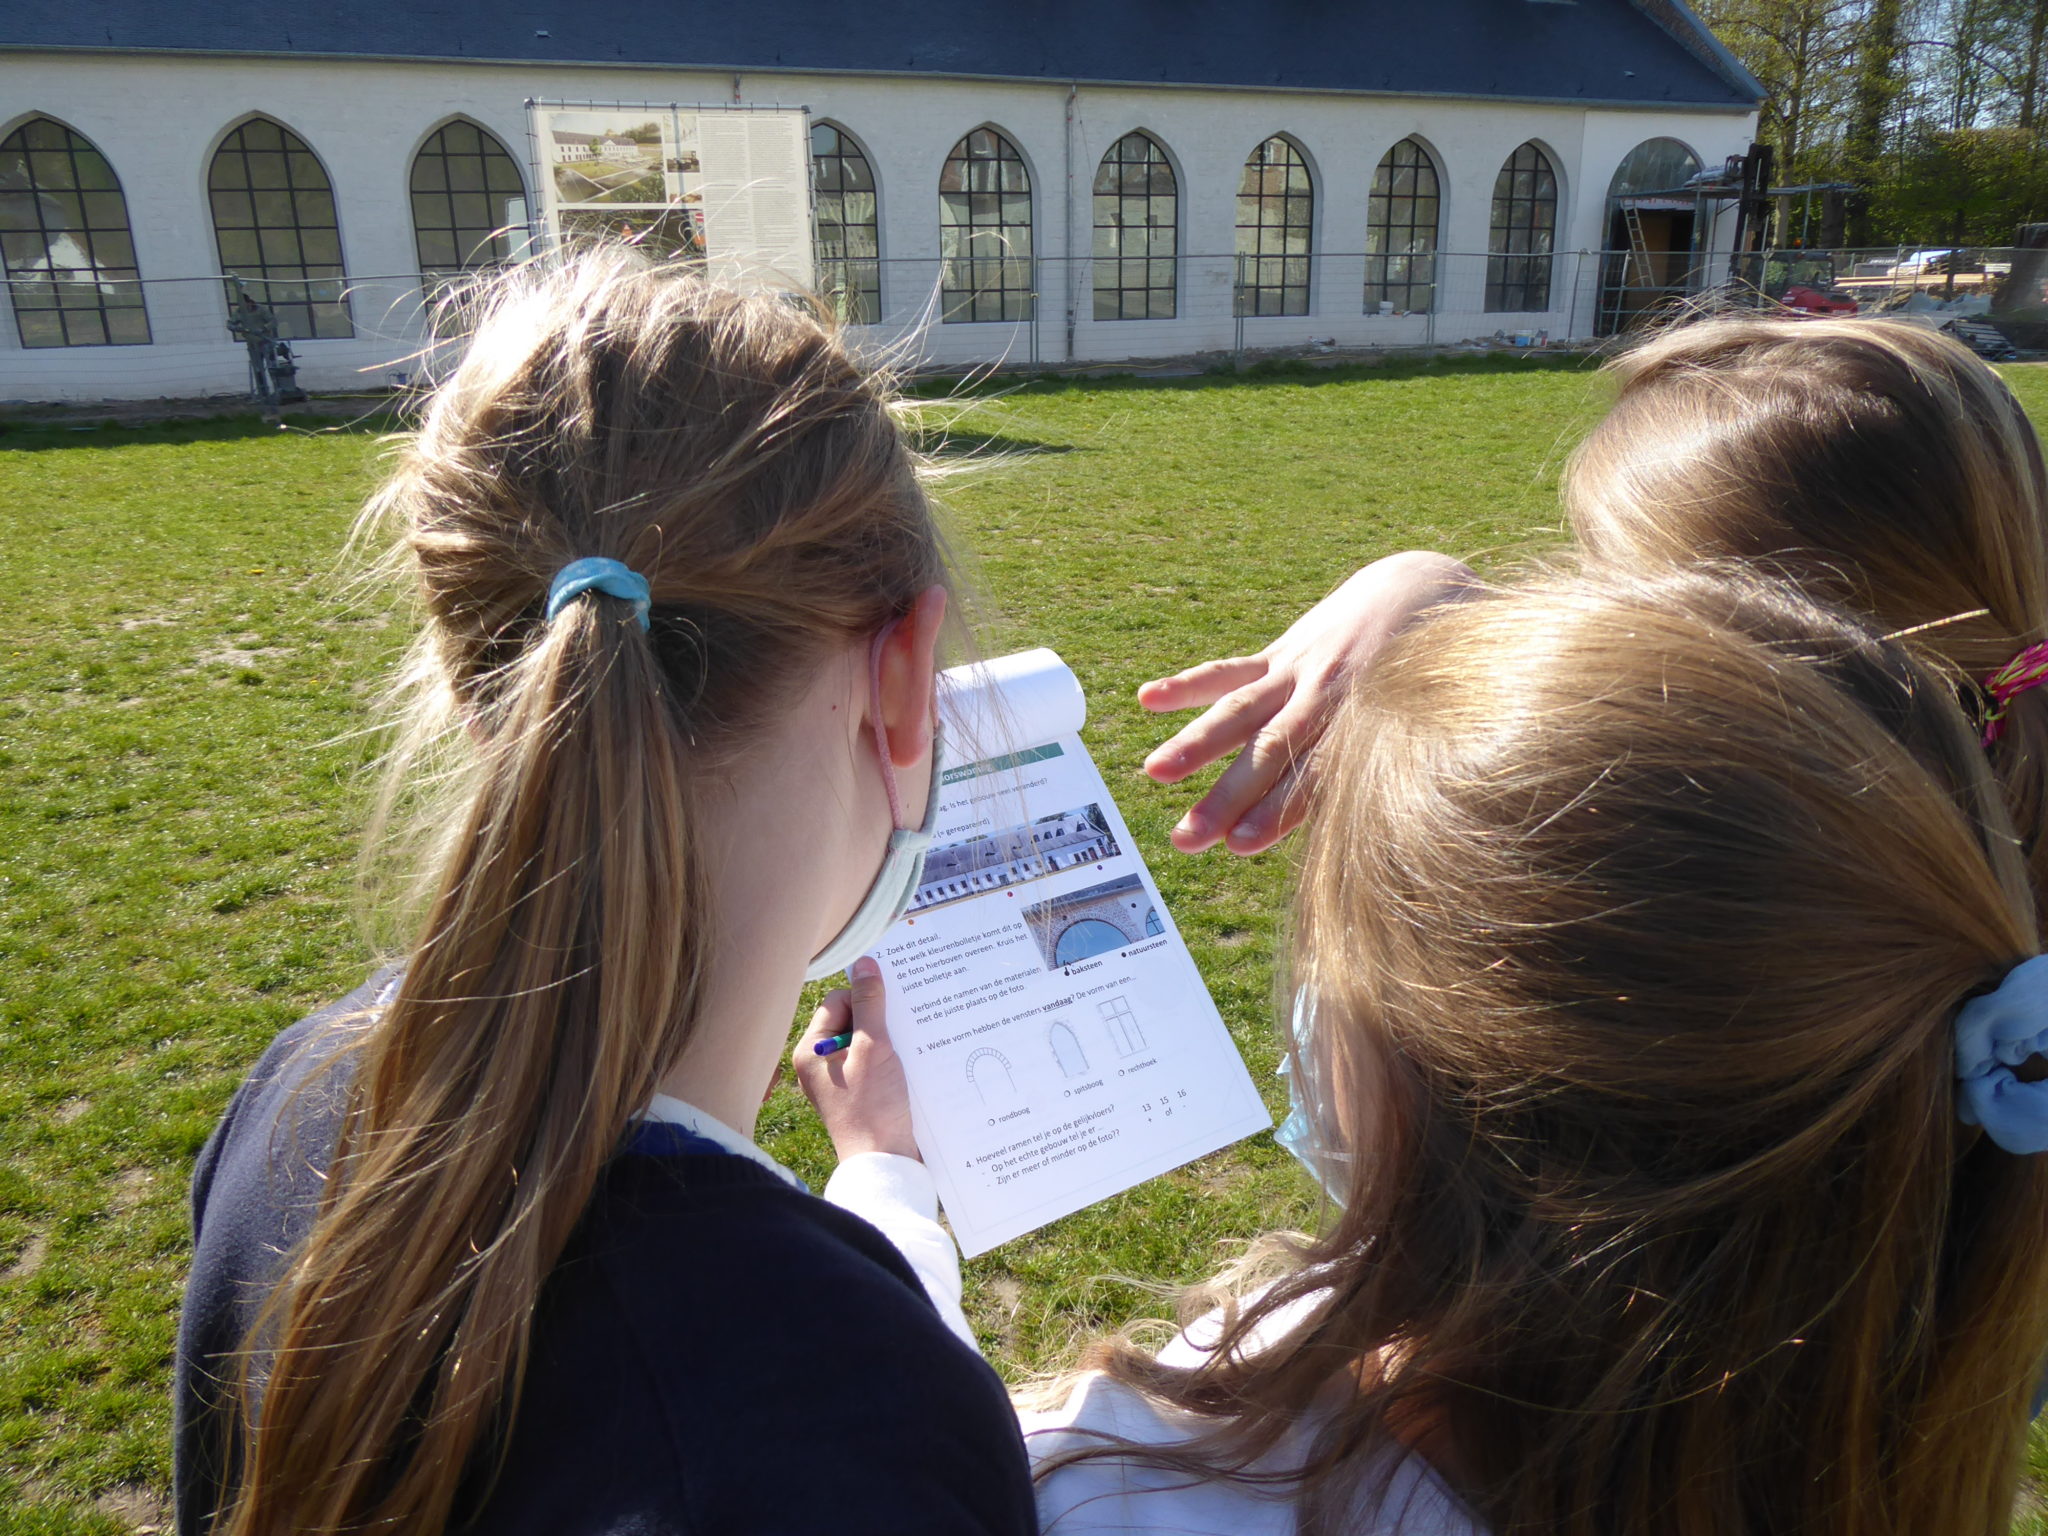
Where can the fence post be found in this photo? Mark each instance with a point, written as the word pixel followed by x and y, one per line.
pixel 1237 308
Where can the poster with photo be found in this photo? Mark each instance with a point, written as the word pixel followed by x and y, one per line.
pixel 607 159
pixel 730 187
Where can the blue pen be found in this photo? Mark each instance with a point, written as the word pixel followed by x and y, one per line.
pixel 835 1044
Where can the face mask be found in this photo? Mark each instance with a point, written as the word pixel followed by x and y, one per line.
pixel 888 898
pixel 1328 1166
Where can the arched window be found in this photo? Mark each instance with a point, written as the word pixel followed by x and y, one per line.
pixel 1137 226
pixel 1400 232
pixel 1524 233
pixel 466 195
pixel 274 221
pixel 849 235
pixel 65 243
pixel 1275 228
pixel 985 270
pixel 1090 936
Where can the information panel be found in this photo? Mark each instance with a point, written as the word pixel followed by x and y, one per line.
pixel 730 186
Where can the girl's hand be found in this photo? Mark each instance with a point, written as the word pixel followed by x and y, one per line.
pixel 859 1090
pixel 1271 709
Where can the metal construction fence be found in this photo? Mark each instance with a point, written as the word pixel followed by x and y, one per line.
pixel 77 336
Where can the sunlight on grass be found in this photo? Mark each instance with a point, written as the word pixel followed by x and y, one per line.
pixel 180 748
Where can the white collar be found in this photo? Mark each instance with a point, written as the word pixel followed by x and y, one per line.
pixel 671 1111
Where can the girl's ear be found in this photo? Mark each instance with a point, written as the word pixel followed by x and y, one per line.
pixel 909 674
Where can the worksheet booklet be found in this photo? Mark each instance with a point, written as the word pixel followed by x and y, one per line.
pixel 1058 1040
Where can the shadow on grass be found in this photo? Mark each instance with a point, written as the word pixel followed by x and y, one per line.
pixel 1293 372
pixel 37 436
pixel 949 446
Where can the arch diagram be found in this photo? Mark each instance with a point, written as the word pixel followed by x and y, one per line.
pixel 988 1069
pixel 1066 1050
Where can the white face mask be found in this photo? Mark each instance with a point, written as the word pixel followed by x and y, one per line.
pixel 888 897
pixel 1329 1166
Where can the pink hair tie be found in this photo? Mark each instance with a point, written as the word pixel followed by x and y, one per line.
pixel 2029 669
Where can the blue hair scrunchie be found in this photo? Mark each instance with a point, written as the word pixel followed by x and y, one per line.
pixel 1994 1034
pixel 596 573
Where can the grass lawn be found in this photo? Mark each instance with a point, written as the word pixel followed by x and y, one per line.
pixel 180 715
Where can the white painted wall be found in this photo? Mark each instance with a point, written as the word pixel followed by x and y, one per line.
pixel 158 120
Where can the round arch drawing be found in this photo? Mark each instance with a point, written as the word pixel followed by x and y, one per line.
pixel 988 1070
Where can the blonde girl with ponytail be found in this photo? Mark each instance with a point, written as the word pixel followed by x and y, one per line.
pixel 1671 1057
pixel 488 1246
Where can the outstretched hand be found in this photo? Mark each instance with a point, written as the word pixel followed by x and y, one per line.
pixel 858 1090
pixel 1272 708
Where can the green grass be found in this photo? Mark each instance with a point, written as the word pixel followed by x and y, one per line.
pixel 180 747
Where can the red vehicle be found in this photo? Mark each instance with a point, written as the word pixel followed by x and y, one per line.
pixel 1803 298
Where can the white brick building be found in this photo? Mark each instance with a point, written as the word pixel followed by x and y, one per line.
pixel 1031 184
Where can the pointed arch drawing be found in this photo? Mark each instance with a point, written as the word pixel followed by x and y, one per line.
pixel 276 228
pixel 1066 1049
pixel 65 243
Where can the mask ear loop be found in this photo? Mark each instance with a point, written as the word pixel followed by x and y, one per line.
pixel 896 820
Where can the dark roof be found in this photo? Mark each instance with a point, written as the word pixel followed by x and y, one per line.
pixel 1633 51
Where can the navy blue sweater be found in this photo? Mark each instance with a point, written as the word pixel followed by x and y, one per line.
pixel 715 1352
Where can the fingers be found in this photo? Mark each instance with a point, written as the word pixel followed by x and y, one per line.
pixel 1200 686
pixel 868 1003
pixel 1220 730
pixel 1283 808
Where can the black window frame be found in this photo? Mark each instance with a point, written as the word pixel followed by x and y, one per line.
pixel 1401 235
pixel 68 305
pixel 472 244
pixel 1133 279
pixel 990 249
pixel 1522 233
pixel 309 298
pixel 850 278
pixel 1273 277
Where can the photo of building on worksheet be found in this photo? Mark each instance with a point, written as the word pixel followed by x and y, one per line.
pixel 1059 1043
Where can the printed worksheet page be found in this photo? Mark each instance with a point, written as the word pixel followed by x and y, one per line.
pixel 1059 1044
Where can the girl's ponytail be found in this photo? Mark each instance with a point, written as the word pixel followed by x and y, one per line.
pixel 1877 463
pixel 729 450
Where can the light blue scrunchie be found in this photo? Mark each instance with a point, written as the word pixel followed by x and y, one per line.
pixel 1994 1034
pixel 595 573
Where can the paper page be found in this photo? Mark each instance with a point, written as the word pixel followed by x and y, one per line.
pixel 1059 1043
pixel 757 198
